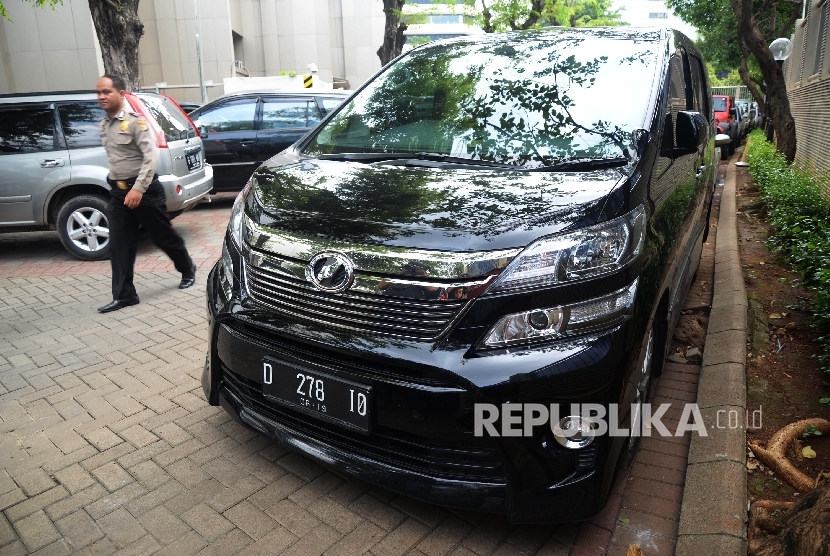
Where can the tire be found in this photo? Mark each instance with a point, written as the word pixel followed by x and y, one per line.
pixel 644 387
pixel 83 227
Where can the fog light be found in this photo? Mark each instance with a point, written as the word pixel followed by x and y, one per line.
pixel 574 432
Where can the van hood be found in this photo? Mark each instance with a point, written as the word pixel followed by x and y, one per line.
pixel 459 209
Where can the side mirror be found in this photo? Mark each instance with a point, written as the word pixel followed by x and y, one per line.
pixel 722 139
pixel 690 131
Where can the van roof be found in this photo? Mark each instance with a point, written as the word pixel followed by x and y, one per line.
pixel 47 97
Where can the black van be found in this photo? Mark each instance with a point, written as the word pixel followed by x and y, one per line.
pixel 490 221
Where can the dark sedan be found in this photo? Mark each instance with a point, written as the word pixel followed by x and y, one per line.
pixel 243 130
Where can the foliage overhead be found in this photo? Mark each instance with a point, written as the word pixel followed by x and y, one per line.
pixel 38 3
pixel 511 15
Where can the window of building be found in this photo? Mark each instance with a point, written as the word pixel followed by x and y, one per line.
pixel 26 131
pixel 80 124
pixel 445 18
pixel 816 31
pixel 658 15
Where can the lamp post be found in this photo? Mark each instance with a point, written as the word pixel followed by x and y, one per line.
pixel 781 50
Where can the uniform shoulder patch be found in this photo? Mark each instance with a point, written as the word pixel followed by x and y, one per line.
pixel 142 123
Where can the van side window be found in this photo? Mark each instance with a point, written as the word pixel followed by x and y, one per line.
pixel 27 131
pixel 80 124
pixel 678 98
pixel 702 99
pixel 286 113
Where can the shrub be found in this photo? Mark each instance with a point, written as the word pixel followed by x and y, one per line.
pixel 800 217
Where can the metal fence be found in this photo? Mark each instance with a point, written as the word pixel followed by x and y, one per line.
pixel 740 92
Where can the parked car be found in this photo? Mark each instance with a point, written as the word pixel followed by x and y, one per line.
pixel 189 107
pixel 727 122
pixel 241 131
pixel 53 169
pixel 462 237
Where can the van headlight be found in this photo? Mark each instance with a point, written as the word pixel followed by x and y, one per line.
pixel 226 274
pixel 567 320
pixel 238 216
pixel 579 255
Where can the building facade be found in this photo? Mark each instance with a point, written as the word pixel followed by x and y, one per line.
pixel 652 13
pixel 51 50
pixel 807 72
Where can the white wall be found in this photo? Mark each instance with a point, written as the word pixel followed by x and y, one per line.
pixel 47 50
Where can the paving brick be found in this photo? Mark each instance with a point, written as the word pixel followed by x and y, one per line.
pixel 316 543
pixel 149 474
pixel 75 478
pixel 7 533
pixel 293 518
pixel 275 541
pixel 335 515
pixel 103 438
pixel 36 531
pixel 121 527
pixel 187 545
pixel 79 529
pixel 429 514
pixel 160 495
pixel 488 535
pixel 165 526
pixel 53 465
pixel 187 473
pixel 138 436
pixel 114 500
pixel 233 542
pixel 301 466
pixel 36 503
pixel 79 500
pixel 207 522
pixel 444 537
pixel 360 540
pixel 181 451
pixel 225 497
pixel 112 476
pixel 591 541
pixel 381 514
pixel 34 482
pixel 255 523
pixel 192 497
pixel 173 434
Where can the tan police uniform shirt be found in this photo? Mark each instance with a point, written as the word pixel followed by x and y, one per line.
pixel 131 149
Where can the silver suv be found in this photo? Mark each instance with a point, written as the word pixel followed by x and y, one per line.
pixel 53 169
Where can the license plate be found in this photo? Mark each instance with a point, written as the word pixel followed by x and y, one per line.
pixel 194 160
pixel 320 395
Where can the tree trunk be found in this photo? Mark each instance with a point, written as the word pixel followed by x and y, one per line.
pixel 778 104
pixel 393 38
pixel 804 530
pixel 743 71
pixel 119 30
pixel 536 7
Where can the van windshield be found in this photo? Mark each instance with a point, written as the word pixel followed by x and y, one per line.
pixel 719 104
pixel 532 100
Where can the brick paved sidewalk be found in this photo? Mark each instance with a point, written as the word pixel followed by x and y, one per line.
pixel 107 445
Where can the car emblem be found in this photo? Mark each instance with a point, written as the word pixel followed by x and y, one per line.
pixel 330 272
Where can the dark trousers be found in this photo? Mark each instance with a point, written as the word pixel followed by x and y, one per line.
pixel 124 222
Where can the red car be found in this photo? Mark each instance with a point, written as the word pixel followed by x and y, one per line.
pixel 726 122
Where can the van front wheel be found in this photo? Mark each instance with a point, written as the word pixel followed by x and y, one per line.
pixel 83 227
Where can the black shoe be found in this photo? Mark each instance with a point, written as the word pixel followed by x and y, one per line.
pixel 188 279
pixel 116 304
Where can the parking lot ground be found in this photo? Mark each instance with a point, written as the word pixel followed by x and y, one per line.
pixel 107 445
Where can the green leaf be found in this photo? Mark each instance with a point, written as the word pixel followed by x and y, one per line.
pixel 625 520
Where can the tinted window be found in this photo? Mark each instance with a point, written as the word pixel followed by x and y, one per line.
pixel 26 131
pixel 172 121
pixel 330 104
pixel 237 115
pixel 719 104
pixel 533 101
pixel 80 124
pixel 279 113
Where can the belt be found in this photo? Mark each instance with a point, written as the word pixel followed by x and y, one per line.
pixel 127 183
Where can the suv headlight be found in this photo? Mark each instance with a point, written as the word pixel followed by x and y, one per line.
pixel 574 256
pixel 568 320
pixel 238 216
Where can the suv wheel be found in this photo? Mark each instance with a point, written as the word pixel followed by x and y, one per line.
pixel 83 226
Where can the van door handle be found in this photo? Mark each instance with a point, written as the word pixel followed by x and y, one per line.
pixel 247 143
pixel 700 171
pixel 51 163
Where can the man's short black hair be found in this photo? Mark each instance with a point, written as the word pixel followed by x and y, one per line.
pixel 117 82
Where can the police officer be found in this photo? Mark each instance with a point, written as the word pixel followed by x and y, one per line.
pixel 136 195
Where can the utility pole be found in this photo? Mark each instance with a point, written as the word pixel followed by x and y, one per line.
pixel 202 86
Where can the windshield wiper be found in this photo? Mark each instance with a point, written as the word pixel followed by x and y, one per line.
pixel 577 164
pixel 430 160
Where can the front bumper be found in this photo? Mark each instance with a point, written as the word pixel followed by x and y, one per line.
pixel 192 191
pixel 421 442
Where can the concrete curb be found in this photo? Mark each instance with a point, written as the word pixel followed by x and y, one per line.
pixel 713 513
